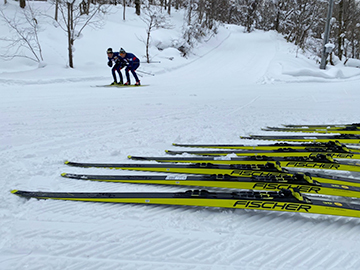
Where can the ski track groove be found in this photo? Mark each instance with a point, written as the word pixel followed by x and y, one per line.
pixel 144 250
pixel 141 244
pixel 298 255
pixel 254 258
pixel 56 144
pixel 242 253
pixel 196 249
pixel 318 260
pixel 274 249
pixel 352 261
pixel 189 246
pixel 340 260
pixel 304 257
pixel 160 245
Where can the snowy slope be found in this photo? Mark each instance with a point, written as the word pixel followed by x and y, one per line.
pixel 232 85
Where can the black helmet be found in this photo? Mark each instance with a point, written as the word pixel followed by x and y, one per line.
pixel 109 50
pixel 122 50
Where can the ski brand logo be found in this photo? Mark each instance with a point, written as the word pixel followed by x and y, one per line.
pixel 272 205
pixel 341 155
pixel 272 186
pixel 247 173
pixel 312 165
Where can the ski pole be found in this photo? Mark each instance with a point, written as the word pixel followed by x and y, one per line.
pixel 147 73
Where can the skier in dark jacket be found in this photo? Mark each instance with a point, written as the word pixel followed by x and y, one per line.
pixel 132 63
pixel 119 64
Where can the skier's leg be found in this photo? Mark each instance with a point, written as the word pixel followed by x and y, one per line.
pixel 135 75
pixel 135 66
pixel 127 75
pixel 120 75
pixel 113 73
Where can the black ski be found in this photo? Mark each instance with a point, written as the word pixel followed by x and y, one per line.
pixel 302 182
pixel 333 145
pixel 323 162
pixel 343 138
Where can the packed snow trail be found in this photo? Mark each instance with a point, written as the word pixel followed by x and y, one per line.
pixel 230 63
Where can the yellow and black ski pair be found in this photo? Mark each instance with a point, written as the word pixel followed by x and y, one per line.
pixel 287 200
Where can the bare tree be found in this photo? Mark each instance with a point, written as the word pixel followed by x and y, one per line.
pixel 346 29
pixel 24 30
pixel 189 26
pixel 73 20
pixel 154 19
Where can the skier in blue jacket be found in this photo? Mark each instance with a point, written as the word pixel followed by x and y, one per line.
pixel 132 63
pixel 114 57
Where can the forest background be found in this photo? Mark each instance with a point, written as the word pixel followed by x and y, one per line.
pixel 301 22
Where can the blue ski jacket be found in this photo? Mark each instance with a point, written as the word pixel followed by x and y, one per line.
pixel 132 61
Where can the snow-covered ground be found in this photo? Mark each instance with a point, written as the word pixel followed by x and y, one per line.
pixel 232 85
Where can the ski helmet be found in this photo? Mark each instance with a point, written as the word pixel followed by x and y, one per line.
pixel 109 50
pixel 122 50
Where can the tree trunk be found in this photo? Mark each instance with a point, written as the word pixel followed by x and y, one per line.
pixel 169 7
pixel 56 10
pixel 137 7
pixel 124 4
pixel 147 45
pixel 277 18
pixel 70 30
pixel 22 3
pixel 341 29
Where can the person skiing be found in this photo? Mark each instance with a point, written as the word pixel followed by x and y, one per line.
pixel 119 64
pixel 131 63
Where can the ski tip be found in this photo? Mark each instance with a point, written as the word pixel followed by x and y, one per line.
pixel 66 162
pixel 14 191
pixel 174 144
pixel 63 174
pixel 167 151
pixel 129 157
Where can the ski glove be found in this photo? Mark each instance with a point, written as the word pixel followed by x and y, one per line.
pixel 110 63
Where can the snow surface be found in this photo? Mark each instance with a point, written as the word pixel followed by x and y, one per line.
pixel 234 84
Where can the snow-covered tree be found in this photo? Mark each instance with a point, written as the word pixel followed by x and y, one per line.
pixel 296 19
pixel 345 30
